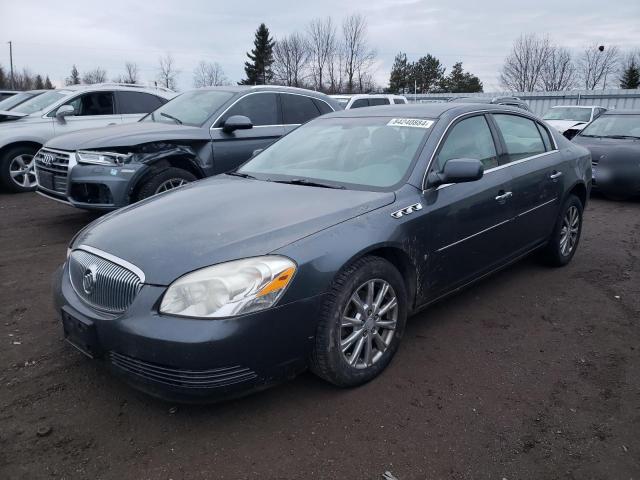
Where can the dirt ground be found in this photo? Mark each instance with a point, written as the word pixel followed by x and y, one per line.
pixel 532 374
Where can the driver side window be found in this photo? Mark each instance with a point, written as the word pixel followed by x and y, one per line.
pixel 261 108
pixel 469 138
pixel 95 103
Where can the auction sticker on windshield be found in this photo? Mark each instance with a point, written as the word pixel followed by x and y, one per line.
pixel 410 122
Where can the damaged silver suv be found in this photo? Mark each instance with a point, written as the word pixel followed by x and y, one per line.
pixel 200 133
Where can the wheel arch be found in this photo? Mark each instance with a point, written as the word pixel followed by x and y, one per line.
pixel 21 143
pixel 153 167
pixel 579 189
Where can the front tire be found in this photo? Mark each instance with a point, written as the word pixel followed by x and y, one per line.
pixel 361 323
pixel 564 240
pixel 17 173
pixel 164 180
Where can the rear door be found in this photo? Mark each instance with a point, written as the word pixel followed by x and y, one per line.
pixel 132 106
pixel 232 149
pixel 538 171
pixel 92 110
pixel 469 224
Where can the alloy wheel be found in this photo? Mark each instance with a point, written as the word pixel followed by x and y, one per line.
pixel 569 231
pixel 22 171
pixel 171 184
pixel 368 323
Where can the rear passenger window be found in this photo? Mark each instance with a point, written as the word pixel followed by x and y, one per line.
pixel 261 108
pixel 137 102
pixel 322 106
pixel 469 138
pixel 546 137
pixel 378 101
pixel 361 102
pixel 521 136
pixel 399 101
pixel 298 109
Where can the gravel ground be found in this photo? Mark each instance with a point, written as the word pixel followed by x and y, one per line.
pixel 532 374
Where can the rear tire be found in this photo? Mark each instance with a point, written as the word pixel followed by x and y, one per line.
pixel 564 240
pixel 164 180
pixel 357 338
pixel 17 172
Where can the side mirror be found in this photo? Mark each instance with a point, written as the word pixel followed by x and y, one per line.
pixel 256 152
pixel 457 170
pixel 65 111
pixel 236 122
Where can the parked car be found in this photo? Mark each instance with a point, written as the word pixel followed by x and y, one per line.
pixel 348 102
pixel 7 93
pixel 314 252
pixel 571 119
pixel 20 97
pixel 200 133
pixel 28 126
pixel 614 142
pixel 507 101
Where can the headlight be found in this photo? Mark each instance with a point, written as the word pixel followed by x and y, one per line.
pixel 232 288
pixel 101 158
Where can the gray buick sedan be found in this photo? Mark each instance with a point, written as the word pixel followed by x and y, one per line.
pixel 314 253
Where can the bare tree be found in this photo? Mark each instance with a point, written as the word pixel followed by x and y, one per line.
pixel 596 64
pixel 209 74
pixel 167 71
pixel 559 71
pixel 131 72
pixel 523 67
pixel 97 75
pixel 291 59
pixel 357 54
pixel 322 45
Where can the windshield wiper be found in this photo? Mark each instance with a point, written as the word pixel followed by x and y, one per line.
pixel 177 120
pixel 241 175
pixel 309 183
pixel 622 136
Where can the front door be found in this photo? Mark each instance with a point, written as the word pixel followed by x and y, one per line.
pixel 231 149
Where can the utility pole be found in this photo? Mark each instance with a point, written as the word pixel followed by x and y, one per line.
pixel 11 64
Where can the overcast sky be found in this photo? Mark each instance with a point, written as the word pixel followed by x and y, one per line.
pixel 49 37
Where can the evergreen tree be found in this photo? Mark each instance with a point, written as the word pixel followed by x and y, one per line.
pixel 459 81
pixel 38 83
pixel 4 82
pixel 400 79
pixel 258 70
pixel 427 73
pixel 74 79
pixel 631 75
pixel 47 83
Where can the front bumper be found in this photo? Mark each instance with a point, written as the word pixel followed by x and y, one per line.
pixel 191 360
pixel 618 180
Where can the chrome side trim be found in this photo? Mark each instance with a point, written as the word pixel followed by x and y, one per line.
pixel 475 112
pixel 537 207
pixel 113 259
pixel 474 235
pixel 269 91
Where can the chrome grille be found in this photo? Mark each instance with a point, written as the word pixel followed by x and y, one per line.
pixel 101 283
pixel 52 167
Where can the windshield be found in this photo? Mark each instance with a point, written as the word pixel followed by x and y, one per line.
pixel 191 108
pixel 612 125
pixel 366 152
pixel 9 103
pixel 41 101
pixel 574 114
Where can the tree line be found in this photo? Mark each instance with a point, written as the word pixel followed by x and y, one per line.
pixel 24 80
pixel 537 64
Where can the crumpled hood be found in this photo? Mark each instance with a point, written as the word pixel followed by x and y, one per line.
pixel 220 219
pixel 126 135
pixel 611 151
pixel 562 125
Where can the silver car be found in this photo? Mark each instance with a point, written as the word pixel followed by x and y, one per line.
pixel 28 126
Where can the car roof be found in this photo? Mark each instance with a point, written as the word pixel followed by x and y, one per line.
pixel 622 112
pixel 161 91
pixel 270 88
pixel 577 106
pixel 418 110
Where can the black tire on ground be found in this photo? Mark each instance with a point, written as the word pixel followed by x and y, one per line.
pixel 6 181
pixel 553 253
pixel 328 360
pixel 156 180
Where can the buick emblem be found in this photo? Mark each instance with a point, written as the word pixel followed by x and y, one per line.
pixel 89 279
pixel 47 158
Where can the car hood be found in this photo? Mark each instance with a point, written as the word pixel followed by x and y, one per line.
pixel 562 125
pixel 126 135
pixel 220 219
pixel 611 151
pixel 7 115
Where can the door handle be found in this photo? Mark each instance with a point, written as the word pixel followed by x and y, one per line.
pixel 555 175
pixel 504 196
